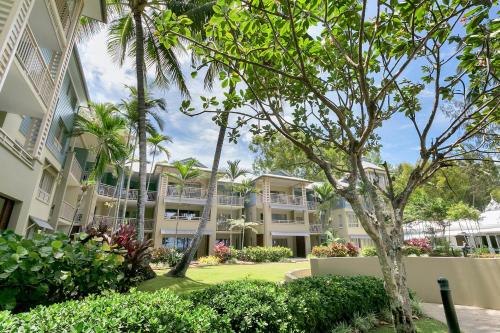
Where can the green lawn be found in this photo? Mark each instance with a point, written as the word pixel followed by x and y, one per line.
pixel 425 325
pixel 200 277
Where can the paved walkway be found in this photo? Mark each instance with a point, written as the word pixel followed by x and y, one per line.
pixel 471 319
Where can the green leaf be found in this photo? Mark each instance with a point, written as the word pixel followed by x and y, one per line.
pixel 57 244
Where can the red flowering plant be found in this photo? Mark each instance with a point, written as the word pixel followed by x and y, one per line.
pixel 222 251
pixel 420 245
pixel 352 249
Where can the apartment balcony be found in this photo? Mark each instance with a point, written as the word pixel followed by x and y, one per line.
pixel 188 195
pixel 296 221
pixel 230 200
pixel 315 228
pixel 111 192
pixel 76 171
pixel 312 205
pixel 110 221
pixel 43 196
pixel 16 149
pixel 67 211
pixel 286 201
pixel 187 218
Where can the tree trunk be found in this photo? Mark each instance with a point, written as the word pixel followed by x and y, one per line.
pixel 177 218
pixel 180 269
pixel 141 109
pixel 128 182
pixel 151 169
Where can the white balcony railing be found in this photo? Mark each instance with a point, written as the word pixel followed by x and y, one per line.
pixel 65 10
pixel 43 196
pixel 111 191
pixel 315 228
pixel 183 217
pixel 16 149
pixel 109 221
pixel 76 169
pixel 298 221
pixel 230 200
pixel 173 191
pixel 67 211
pixel 30 56
pixel 312 205
pixel 285 199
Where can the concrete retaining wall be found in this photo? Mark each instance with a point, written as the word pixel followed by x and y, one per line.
pixel 297 274
pixel 474 282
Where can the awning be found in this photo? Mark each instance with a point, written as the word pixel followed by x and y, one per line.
pixel 182 232
pixel 41 223
pixel 289 233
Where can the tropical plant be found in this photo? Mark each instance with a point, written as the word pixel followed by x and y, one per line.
pixel 156 140
pixel 352 249
pixel 184 174
pixel 131 33
pixel 369 251
pixel 109 129
pixel 242 225
pixel 209 260
pixel 378 72
pixel 327 199
pixel 165 255
pixel 222 252
pixel 50 268
pixel 128 108
pixel 245 188
pixel 232 172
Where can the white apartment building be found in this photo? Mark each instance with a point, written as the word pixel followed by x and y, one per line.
pixel 42 87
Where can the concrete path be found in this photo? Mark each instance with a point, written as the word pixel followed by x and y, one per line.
pixel 471 319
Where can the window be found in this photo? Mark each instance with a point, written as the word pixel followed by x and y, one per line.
pixel 277 217
pixel 280 242
pixel 59 135
pixel 353 221
pixel 45 186
pixel 182 243
pixel 341 221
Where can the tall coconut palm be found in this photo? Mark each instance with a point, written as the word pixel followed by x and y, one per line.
pixel 155 107
pixel 131 33
pixel 108 128
pixel 156 140
pixel 232 172
pixel 245 188
pixel 184 174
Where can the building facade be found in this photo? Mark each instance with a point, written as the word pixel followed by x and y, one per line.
pixel 42 87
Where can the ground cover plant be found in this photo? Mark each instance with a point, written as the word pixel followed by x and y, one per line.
pixel 314 304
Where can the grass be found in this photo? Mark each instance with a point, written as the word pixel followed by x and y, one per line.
pixel 424 325
pixel 201 277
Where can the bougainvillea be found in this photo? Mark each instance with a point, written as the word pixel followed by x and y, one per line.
pixel 222 252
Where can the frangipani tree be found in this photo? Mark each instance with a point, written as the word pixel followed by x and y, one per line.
pixel 329 74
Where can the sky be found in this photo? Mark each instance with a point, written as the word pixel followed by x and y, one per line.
pixel 196 136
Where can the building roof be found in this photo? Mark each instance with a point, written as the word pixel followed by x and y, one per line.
pixel 279 176
pixel 369 165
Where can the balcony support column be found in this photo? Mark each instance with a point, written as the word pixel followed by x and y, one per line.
pixel 61 190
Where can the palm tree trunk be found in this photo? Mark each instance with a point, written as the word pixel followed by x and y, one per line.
pixel 243 236
pixel 180 269
pixel 128 181
pixel 141 109
pixel 151 169
pixel 177 219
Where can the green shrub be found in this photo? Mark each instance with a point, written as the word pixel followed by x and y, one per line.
pixel 321 251
pixel 161 311
pixel 334 250
pixel 369 251
pixel 49 268
pixel 209 260
pixel 264 254
pixel 409 250
pixel 251 306
pixel 330 300
pixel 165 256
pixel 481 251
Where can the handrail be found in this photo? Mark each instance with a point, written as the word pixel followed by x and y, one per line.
pixel 288 221
pixel 67 211
pixel 312 205
pixel 76 169
pixel 133 194
pixel 183 217
pixel 316 228
pixel 230 200
pixel 16 149
pixel 43 196
pixel 30 56
pixel 286 199
pixel 187 192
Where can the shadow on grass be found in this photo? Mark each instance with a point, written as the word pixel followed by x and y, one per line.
pixel 424 325
pixel 178 285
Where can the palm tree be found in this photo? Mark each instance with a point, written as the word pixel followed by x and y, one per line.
pixel 156 140
pixel 233 171
pixel 245 188
pixel 242 225
pixel 131 32
pixel 185 173
pixel 108 129
pixel 327 198
pixel 155 107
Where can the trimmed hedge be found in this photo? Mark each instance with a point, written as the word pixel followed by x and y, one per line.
pixel 314 304
pixel 161 311
pixel 264 254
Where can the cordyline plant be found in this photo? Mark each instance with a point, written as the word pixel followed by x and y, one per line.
pixel 328 74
